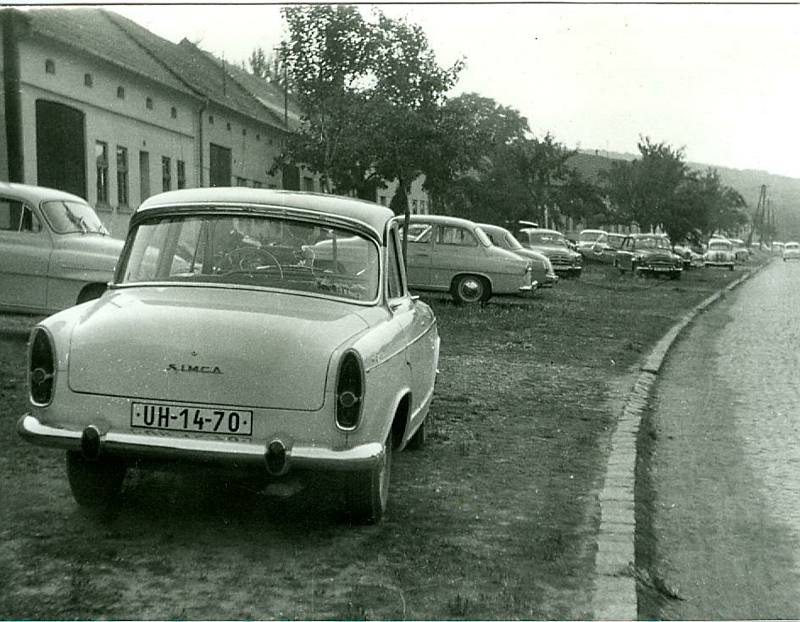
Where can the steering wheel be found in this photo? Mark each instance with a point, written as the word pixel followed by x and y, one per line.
pixel 247 259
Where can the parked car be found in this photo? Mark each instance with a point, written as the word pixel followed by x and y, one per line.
pixel 54 251
pixel 555 247
pixel 777 248
pixel 691 259
pixel 648 254
pixel 454 255
pixel 740 251
pixel 543 272
pixel 208 347
pixel 791 250
pixel 719 253
pixel 590 244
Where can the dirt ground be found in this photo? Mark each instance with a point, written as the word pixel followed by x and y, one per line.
pixel 496 518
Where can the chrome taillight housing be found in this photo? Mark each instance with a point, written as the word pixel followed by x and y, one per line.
pixel 349 391
pixel 41 367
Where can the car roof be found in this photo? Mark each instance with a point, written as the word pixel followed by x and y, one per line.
pixel 540 230
pixel 35 194
pixel 497 228
pixel 592 231
pixel 442 220
pixel 371 214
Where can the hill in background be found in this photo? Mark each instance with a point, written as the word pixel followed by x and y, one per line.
pixel 783 193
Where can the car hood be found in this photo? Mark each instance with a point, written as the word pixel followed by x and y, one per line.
pixel 211 346
pixel 550 251
pixel 89 242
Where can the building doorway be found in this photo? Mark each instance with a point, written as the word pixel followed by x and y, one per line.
pixel 60 147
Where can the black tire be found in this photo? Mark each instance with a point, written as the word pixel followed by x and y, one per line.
pixel 618 267
pixel 469 289
pixel 730 267
pixel 675 276
pixel 367 492
pixel 95 484
pixel 418 440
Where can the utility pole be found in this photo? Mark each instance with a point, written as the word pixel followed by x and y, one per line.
pixel 758 217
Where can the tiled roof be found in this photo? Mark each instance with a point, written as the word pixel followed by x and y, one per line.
pixel 92 30
pixel 184 66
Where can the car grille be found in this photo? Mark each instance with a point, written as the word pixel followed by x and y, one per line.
pixel 560 260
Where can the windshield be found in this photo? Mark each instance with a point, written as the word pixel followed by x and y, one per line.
pixel 653 242
pixel 590 236
pixel 256 251
pixel 546 238
pixel 791 246
pixel 72 217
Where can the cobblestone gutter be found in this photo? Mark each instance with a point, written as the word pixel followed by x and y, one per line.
pixel 617 574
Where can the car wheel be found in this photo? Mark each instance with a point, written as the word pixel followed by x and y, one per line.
pixel 618 267
pixel 675 276
pixel 418 440
pixel 730 267
pixel 469 289
pixel 95 484
pixel 367 492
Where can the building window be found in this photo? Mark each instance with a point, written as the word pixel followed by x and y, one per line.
pixel 258 136
pixel 120 92
pixel 211 119
pixel 148 103
pixel 229 126
pixel 181 170
pixel 166 173
pixel 383 200
pixel 173 112
pixel 101 159
pixel 244 132
pixel 241 181
pixel 122 176
pixel 144 175
pixel 87 80
pixel 308 184
pixel 257 184
pixel 49 66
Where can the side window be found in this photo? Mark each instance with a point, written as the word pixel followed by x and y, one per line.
pixel 455 236
pixel 394 281
pixel 16 216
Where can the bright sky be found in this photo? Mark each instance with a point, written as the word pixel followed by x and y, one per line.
pixel 719 80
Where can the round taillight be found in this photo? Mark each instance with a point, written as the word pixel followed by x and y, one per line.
pixel 349 391
pixel 41 367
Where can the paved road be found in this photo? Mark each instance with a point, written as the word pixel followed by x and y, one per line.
pixel 725 462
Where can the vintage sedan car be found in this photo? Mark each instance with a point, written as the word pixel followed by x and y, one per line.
pixel 719 254
pixel 791 250
pixel 645 254
pixel 691 259
pixel 543 272
pixel 54 251
pixel 590 244
pixel 213 344
pixel 740 251
pixel 454 255
pixel 554 245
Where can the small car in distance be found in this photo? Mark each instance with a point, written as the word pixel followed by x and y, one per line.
pixel 648 254
pixel 589 243
pixel 54 251
pixel 719 254
pixel 543 272
pixel 791 250
pixel 217 343
pixel 454 255
pixel 740 251
pixel 554 245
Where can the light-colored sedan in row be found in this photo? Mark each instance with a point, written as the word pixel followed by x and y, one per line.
pixel 454 255
pixel 54 251
pixel 791 250
pixel 543 272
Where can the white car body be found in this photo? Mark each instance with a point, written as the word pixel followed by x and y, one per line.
pixel 791 250
pixel 47 265
pixel 720 254
pixel 241 355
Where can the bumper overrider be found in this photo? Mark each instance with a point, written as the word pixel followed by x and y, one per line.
pixel 277 456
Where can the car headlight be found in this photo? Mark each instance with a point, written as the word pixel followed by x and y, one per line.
pixel 41 367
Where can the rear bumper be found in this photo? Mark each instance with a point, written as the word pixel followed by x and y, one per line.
pixel 164 448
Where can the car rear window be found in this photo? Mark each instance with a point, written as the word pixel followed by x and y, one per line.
pixel 254 251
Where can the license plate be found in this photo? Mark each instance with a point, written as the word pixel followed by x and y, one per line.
pixel 661 269
pixel 186 418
